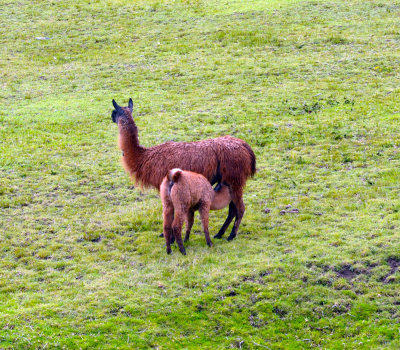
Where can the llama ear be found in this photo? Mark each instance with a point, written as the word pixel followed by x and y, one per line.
pixel 115 104
pixel 130 105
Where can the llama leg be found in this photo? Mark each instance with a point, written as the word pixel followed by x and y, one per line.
pixel 240 208
pixel 204 211
pixel 177 229
pixel 231 214
pixel 189 224
pixel 168 217
pixel 168 234
pixel 172 240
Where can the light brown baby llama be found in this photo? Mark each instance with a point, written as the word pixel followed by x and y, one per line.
pixel 182 193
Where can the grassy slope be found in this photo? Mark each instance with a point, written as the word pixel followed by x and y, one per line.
pixel 312 86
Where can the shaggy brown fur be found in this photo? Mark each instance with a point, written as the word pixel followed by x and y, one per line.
pixel 227 160
pixel 182 193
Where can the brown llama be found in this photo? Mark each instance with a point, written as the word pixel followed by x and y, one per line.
pixel 182 193
pixel 224 160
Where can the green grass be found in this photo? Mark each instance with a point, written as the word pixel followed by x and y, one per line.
pixel 312 86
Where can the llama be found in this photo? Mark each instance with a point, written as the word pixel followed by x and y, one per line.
pixel 182 193
pixel 224 160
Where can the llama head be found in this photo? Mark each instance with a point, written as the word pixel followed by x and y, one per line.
pixel 122 113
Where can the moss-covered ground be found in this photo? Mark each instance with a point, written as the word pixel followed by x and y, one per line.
pixel 312 86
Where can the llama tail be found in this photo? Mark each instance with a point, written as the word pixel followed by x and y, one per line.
pixel 253 159
pixel 253 163
pixel 174 175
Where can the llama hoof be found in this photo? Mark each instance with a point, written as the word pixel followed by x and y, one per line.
pixel 218 236
pixel 169 251
pixel 183 251
pixel 210 244
pixel 161 235
pixel 231 237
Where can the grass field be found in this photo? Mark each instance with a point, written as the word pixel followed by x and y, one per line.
pixel 312 86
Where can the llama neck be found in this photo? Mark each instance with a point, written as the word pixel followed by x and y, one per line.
pixel 128 141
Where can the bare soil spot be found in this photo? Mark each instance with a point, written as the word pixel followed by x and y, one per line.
pixel 347 273
pixel 394 264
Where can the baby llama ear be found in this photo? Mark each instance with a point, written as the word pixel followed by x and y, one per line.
pixel 130 105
